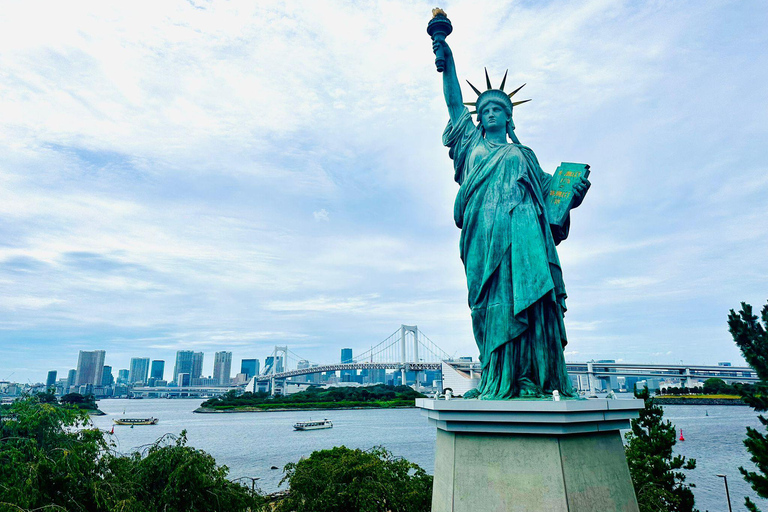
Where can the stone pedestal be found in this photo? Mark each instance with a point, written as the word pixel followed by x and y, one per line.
pixel 531 456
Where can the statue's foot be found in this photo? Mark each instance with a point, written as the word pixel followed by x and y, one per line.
pixel 472 393
pixel 531 391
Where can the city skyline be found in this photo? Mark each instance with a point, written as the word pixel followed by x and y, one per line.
pixel 303 363
pixel 231 177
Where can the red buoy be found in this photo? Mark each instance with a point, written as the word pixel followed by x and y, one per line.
pixel 681 436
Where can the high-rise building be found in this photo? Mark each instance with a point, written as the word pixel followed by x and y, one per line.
pixel 189 362
pixel 269 360
pixel 122 376
pixel 158 369
pixel 51 380
pixel 90 364
pixel 139 370
pixel 182 379
pixel 302 365
pixel 377 376
pixel 250 367
pixel 71 379
pixel 346 357
pixel 313 378
pixel 106 377
pixel 222 367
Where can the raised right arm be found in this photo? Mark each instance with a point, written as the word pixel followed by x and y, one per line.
pixel 451 88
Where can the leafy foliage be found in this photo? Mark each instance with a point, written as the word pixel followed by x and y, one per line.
pixel 751 336
pixel 356 481
pixel 715 386
pixel 50 458
pixel 656 472
pixel 82 401
pixel 170 475
pixel 379 395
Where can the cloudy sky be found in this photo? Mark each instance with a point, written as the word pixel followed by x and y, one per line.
pixel 218 175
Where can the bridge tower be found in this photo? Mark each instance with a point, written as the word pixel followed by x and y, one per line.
pixel 273 370
pixel 404 329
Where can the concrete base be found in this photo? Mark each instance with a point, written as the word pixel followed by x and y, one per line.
pixel 544 456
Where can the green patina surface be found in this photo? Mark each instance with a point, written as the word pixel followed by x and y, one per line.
pixel 514 278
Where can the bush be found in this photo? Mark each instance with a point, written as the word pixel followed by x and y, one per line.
pixel 356 481
pixel 50 459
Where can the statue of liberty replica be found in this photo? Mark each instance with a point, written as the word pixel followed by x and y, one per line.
pixel 506 208
pixel 509 451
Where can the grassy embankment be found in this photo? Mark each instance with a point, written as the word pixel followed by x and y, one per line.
pixel 378 396
pixel 723 397
pixel 699 399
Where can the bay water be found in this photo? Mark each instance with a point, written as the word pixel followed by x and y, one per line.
pixel 250 444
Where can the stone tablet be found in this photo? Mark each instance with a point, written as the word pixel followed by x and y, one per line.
pixel 560 195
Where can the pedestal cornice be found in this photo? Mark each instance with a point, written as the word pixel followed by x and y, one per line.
pixel 530 416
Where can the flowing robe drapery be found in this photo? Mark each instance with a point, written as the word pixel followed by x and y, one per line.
pixel 514 279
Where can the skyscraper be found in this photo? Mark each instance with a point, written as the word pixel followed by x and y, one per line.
pixel 188 362
pixel 106 377
pixel 346 357
pixel 122 376
pixel 71 379
pixel 51 380
pixel 222 367
pixel 90 364
pixel 139 370
pixel 269 360
pixel 158 369
pixel 250 367
pixel 302 365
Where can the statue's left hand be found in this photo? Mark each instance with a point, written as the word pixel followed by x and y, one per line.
pixel 579 191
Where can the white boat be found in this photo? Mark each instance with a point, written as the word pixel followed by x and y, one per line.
pixel 313 425
pixel 136 421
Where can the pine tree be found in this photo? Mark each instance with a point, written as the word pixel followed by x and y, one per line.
pixel 752 339
pixel 656 473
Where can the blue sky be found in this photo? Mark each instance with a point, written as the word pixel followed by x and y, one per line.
pixel 224 176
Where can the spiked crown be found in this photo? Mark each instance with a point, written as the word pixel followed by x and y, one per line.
pixel 491 94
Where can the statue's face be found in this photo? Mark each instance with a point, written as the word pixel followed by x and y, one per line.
pixel 493 117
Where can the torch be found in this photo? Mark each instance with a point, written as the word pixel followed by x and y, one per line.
pixel 438 28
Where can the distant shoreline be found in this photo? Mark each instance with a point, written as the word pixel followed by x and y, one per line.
pixel 207 410
pixel 698 400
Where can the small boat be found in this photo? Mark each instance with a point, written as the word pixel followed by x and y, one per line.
pixel 313 425
pixel 136 421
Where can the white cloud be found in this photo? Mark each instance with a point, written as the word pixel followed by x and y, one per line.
pixel 159 162
pixel 321 215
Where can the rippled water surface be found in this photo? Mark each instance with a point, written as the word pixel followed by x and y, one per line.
pixel 251 443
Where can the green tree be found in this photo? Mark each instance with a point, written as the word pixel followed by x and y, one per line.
pixel 656 472
pixel 50 458
pixel 169 475
pixel 751 336
pixel 356 481
pixel 82 401
pixel 47 397
pixel 715 386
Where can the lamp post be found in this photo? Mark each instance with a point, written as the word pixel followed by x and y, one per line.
pixel 727 494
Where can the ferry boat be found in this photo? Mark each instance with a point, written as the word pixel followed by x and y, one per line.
pixel 136 421
pixel 313 425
